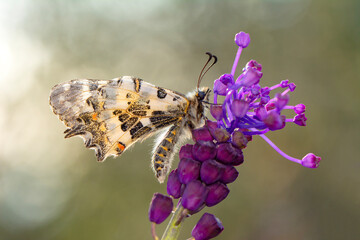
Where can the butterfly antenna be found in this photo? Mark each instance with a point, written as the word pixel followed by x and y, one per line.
pixel 202 70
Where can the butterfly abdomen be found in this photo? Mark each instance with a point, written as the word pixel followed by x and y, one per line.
pixel 164 152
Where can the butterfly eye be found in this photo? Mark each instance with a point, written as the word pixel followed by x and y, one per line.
pixel 201 95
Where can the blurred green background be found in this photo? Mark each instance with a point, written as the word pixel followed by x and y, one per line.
pixel 51 188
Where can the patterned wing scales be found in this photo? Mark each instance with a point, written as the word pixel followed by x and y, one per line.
pixel 111 115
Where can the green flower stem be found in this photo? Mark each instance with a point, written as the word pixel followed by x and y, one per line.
pixel 173 228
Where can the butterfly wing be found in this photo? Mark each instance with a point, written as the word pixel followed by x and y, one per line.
pixel 111 115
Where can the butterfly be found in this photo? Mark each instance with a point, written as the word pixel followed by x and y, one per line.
pixel 111 115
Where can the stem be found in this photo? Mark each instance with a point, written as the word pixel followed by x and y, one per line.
pixel 278 150
pixel 173 229
pixel 237 57
pixel 153 233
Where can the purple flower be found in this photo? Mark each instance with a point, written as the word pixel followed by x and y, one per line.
pixel 242 39
pixel 201 134
pixel 211 171
pixel 311 161
pixel 160 208
pixel 207 227
pixel 188 170
pixel 229 175
pixel 174 186
pixel 217 192
pixel 229 155
pixel 203 151
pixel 248 109
pixel 194 195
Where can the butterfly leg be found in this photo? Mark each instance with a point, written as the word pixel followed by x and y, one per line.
pixel 164 152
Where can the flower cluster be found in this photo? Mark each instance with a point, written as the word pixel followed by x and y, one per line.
pixel 206 167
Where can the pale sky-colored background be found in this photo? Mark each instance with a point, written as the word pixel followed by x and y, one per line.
pixel 51 188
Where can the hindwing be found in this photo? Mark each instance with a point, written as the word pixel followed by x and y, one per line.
pixel 111 115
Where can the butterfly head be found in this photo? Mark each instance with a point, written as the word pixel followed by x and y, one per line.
pixel 202 94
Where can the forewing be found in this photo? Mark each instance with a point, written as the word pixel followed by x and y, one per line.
pixel 111 115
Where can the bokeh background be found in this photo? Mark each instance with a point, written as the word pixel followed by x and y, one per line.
pixel 51 188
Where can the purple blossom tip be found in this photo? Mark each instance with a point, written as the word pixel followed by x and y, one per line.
pixel 217 192
pixel 229 175
pixel 211 171
pixel 251 77
pixel 188 170
pixel 238 139
pixel 311 161
pixel 300 119
pixel 160 208
pixel 284 83
pixel 203 151
pixel 242 39
pixel 221 84
pixel 281 101
pixel 299 108
pixel 186 151
pixel 201 134
pixel 292 86
pixel 239 108
pixel 207 227
pixel 229 155
pixel 275 121
pixel 194 195
pixel 253 64
pixel 216 111
pixel 174 187
pixel 220 134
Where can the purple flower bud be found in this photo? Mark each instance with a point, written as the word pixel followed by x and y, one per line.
pixel 220 134
pixel 174 187
pixel 239 108
pixel 255 90
pixel 253 64
pixel 284 83
pixel 186 151
pixel 211 125
pixel 219 87
pixel 216 111
pixel 194 195
pixel 188 170
pixel 160 208
pixel 242 39
pixel 251 77
pixel 300 108
pixel 229 155
pixel 264 99
pixel 207 227
pixel 217 192
pixel 300 119
pixel 270 106
pixel 211 171
pixel 221 84
pixel 203 151
pixel 281 101
pixel 261 113
pixel 292 86
pixel 274 121
pixel 311 161
pixel 227 79
pixel 229 175
pixel 201 134
pixel 238 139
pixel 197 210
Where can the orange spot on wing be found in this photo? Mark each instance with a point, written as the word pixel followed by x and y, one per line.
pixel 94 116
pixel 121 147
